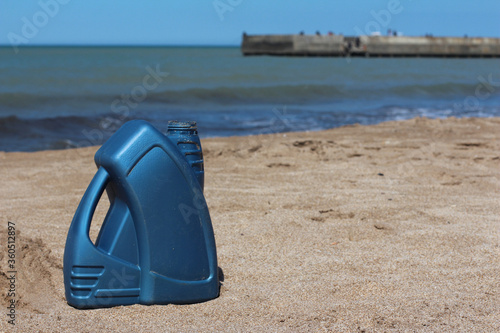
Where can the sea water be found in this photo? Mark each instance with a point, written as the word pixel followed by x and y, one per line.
pixel 65 97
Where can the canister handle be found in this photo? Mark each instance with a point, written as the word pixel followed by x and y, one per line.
pixel 80 226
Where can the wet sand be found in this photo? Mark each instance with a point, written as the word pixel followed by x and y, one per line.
pixel 392 227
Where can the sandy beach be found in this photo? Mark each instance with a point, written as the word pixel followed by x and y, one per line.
pixel 391 227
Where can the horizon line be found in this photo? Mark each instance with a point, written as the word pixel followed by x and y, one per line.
pixel 118 45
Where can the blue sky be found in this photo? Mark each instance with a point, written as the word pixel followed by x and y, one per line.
pixel 221 22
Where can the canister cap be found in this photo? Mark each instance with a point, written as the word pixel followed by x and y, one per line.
pixel 181 125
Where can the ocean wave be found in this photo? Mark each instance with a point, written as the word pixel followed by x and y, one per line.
pixel 240 96
pixel 33 101
pixel 20 134
pixel 306 93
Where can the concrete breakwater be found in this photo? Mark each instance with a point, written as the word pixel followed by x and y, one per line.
pixel 370 46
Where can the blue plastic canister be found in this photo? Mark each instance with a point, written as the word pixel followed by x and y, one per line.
pixel 156 244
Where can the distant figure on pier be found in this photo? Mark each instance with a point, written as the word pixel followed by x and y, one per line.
pixel 318 33
pixel 301 33
pixel 394 33
pixel 389 32
pixel 330 33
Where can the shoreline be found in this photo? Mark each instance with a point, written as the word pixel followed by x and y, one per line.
pixel 103 133
pixel 391 226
